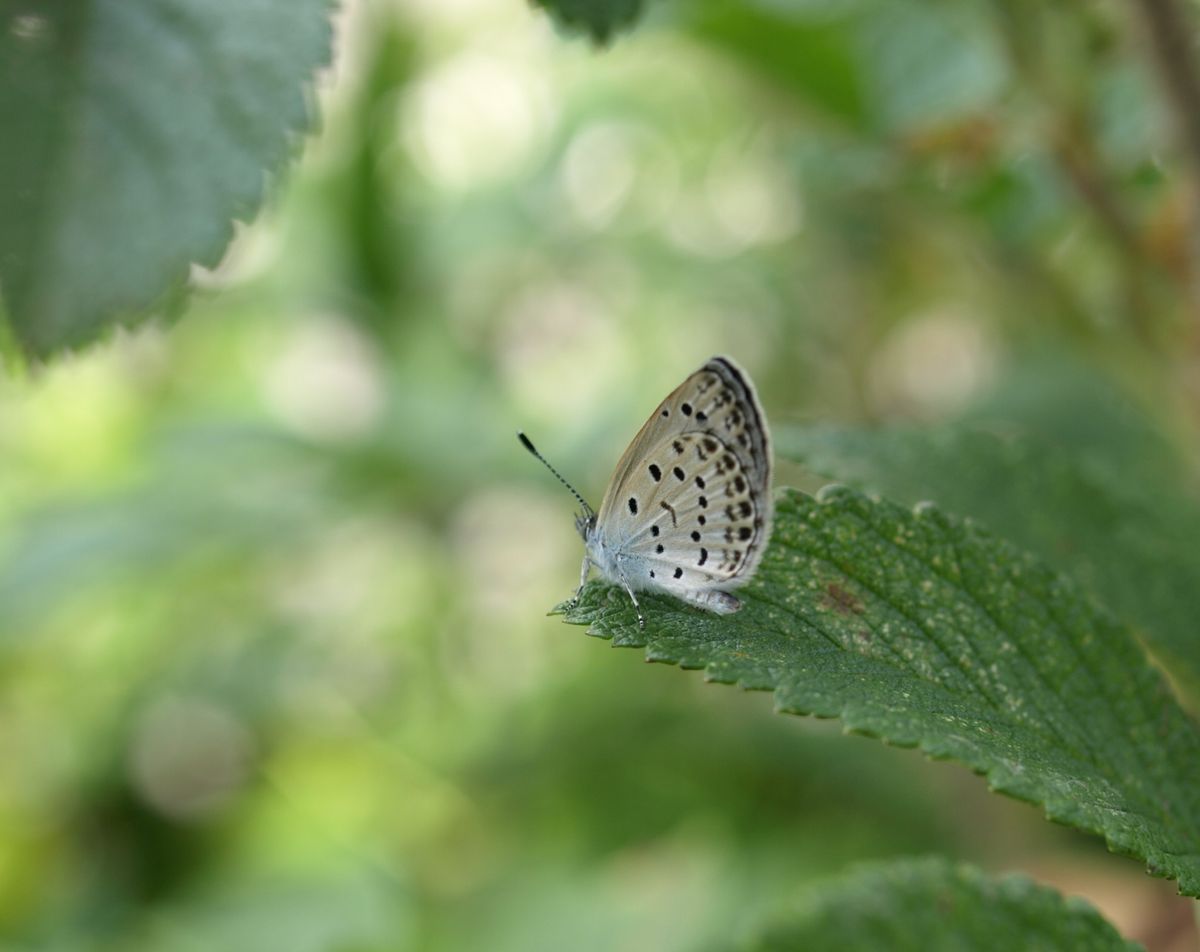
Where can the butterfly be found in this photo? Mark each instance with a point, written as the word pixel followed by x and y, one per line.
pixel 688 508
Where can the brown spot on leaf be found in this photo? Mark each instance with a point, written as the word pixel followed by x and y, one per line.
pixel 841 601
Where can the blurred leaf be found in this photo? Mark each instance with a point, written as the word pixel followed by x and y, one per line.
pixel 351 906
pixel 192 514
pixel 135 132
pixel 929 904
pixel 810 55
pixel 599 19
pixel 875 66
pixel 1064 400
pixel 929 63
pixel 757 778
pixel 928 632
pixel 1074 474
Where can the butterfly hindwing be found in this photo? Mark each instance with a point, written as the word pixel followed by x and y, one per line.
pixel 689 507
pixel 705 526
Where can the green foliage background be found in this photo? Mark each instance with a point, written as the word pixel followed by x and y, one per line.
pixel 275 670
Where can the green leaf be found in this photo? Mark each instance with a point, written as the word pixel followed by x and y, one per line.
pixel 1128 532
pixel 931 905
pixel 135 132
pixel 811 55
pixel 929 632
pixel 599 19
pixel 927 64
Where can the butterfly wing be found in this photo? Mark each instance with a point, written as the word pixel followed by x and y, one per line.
pixel 689 506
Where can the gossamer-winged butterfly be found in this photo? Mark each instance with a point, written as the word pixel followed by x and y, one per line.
pixel 688 508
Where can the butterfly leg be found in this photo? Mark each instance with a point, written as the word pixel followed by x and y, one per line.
pixel 636 607
pixel 633 598
pixel 583 574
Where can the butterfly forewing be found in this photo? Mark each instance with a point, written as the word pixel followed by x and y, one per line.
pixel 689 506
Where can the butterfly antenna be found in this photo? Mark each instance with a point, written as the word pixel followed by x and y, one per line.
pixel 587 510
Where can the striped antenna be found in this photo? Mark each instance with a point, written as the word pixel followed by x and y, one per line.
pixel 587 510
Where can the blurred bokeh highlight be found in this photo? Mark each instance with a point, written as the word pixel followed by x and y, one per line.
pixel 276 668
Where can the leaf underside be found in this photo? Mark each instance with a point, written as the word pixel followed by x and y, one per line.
pixel 135 132
pixel 933 905
pixel 927 631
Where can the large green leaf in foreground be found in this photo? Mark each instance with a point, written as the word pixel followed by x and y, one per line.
pixel 931 905
pixel 926 631
pixel 135 131
pixel 1122 527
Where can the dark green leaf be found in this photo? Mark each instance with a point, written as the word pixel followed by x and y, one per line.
pixel 932 905
pixel 599 19
pixel 812 57
pixel 135 132
pixel 925 631
pixel 1100 503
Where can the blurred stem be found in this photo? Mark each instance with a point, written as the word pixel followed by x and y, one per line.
pixel 1171 39
pixel 1071 144
pixel 1072 148
pixel 1170 34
